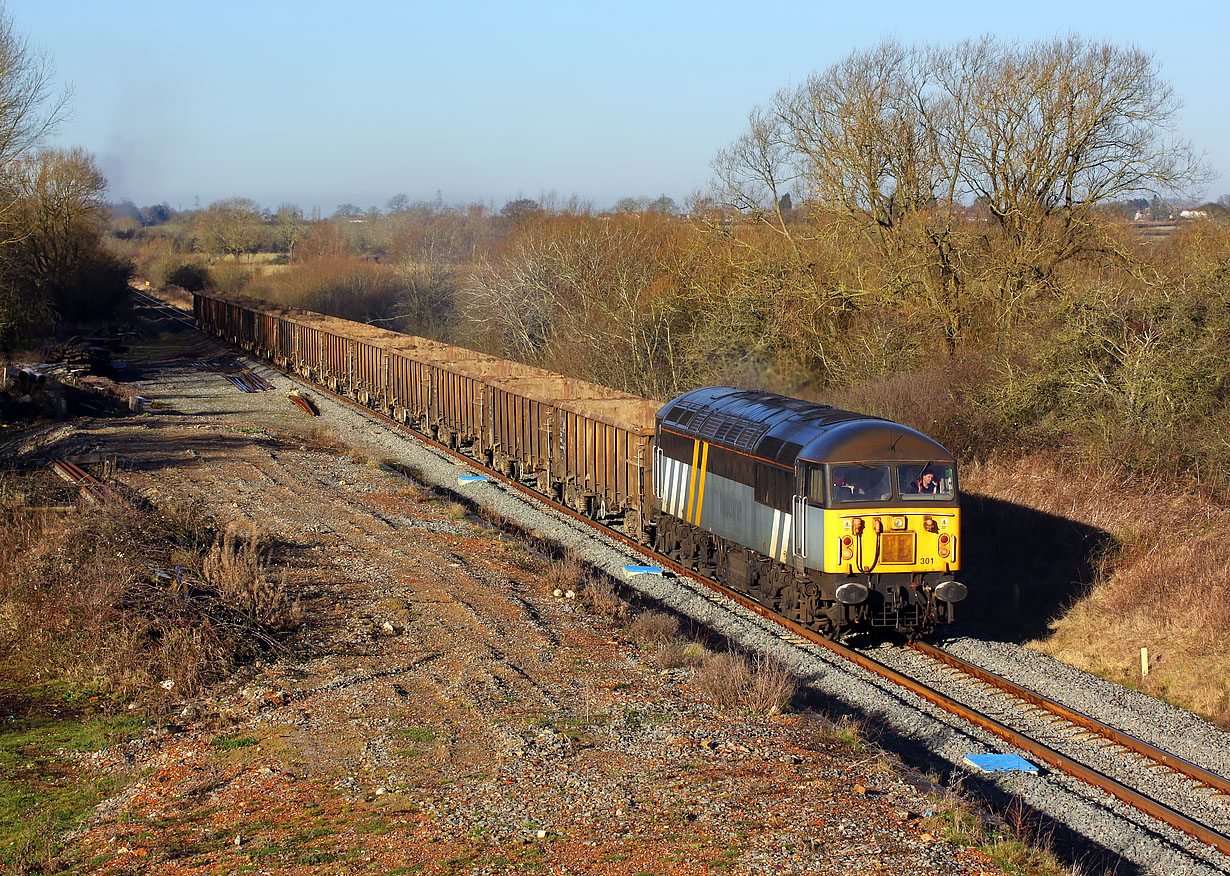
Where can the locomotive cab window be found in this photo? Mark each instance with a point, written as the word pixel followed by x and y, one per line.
pixel 814 484
pixel 922 481
pixel 860 482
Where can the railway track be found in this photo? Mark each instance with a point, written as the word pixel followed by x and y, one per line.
pixel 1138 755
pixel 166 310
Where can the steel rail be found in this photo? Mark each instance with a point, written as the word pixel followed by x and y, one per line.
pixel 91 488
pixel 1150 807
pixel 1079 719
pixel 175 313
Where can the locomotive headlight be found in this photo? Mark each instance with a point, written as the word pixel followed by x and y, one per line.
pixel 898 523
pixel 846 549
pixel 944 549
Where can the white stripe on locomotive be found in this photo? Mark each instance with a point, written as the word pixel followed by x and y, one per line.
pixel 664 482
pixel 679 487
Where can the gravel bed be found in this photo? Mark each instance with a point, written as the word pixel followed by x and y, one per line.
pixel 1165 786
pixel 1152 720
pixel 1101 831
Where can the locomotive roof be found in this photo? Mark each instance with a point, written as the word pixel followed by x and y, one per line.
pixel 780 429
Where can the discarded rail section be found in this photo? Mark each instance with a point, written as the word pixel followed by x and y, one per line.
pixel 93 490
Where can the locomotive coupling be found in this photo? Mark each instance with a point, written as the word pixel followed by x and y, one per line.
pixel 852 593
pixel 950 591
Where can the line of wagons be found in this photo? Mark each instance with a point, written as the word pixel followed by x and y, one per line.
pixel 833 519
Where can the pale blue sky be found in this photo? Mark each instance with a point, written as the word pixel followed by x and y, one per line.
pixel 323 103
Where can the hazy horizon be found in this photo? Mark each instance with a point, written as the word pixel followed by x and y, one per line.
pixel 480 103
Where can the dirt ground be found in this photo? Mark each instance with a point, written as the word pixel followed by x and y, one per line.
pixel 441 711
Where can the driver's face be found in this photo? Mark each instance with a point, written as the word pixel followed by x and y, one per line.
pixel 928 478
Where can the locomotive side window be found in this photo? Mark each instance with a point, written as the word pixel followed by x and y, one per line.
pixel 774 486
pixel 924 481
pixel 860 482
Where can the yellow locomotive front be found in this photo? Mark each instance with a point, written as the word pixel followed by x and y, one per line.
pixel 891 529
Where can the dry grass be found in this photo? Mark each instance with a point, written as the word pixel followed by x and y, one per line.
pixel 601 598
pixel 238 567
pixel 653 628
pixel 847 732
pixel 676 652
pixel 759 685
pixel 414 482
pixel 1015 844
pixel 566 574
pixel 1164 584
pixel 81 608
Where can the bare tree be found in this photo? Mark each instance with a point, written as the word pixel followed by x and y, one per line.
pixel 756 170
pixel 899 142
pixel 230 226
pixel 518 296
pixel 54 262
pixel 30 106
pixel 589 298
pixel 289 227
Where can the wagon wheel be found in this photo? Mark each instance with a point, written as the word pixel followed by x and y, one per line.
pixel 576 499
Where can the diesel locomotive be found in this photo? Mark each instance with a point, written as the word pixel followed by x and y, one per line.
pixel 836 520
pixel 833 519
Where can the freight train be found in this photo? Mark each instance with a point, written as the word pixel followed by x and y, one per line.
pixel 836 520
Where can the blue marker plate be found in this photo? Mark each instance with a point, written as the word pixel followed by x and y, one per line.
pixel 1001 763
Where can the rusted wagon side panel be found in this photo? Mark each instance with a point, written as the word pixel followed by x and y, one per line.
pixel 336 364
pixel 411 387
pixel 520 428
pixel 455 400
pixel 608 447
pixel 461 398
pixel 267 333
pixel 235 314
pixel 370 368
pixel 310 349
pixel 284 347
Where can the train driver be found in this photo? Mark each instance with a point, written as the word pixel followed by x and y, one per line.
pixel 927 482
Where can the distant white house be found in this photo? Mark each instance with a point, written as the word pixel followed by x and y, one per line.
pixel 1193 214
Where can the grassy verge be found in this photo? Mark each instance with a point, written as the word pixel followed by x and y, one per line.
pixel 1139 566
pixel 109 617
pixel 44 789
